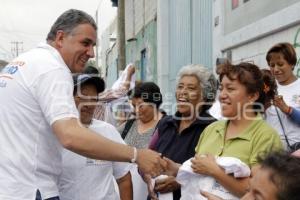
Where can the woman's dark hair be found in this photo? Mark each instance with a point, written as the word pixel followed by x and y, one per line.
pixel 270 86
pixel 81 80
pixel 284 173
pixel 286 49
pixel 148 91
pixel 248 75
pixel 91 70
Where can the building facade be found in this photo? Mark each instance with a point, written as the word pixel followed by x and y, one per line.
pixel 161 37
pixel 184 37
pixel 244 30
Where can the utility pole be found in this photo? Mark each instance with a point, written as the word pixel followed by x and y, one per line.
pixel 121 35
pixel 16 48
pixel 97 40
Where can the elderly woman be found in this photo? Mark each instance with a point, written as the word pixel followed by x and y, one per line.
pixel 244 135
pixel 178 135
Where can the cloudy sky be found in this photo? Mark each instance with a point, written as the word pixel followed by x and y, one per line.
pixel 29 21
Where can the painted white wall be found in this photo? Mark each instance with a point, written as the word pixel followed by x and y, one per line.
pixel 252 42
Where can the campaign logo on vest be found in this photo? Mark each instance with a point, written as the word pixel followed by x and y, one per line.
pixel 93 162
pixel 2 83
pixel 8 72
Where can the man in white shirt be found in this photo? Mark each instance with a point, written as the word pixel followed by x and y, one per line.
pixel 39 117
pixel 83 178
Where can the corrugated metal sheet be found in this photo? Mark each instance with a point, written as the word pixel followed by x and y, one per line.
pixel 202 32
pixel 191 34
pixel 180 35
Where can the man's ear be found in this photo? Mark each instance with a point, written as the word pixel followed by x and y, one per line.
pixel 59 37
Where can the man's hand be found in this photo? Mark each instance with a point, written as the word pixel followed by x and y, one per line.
pixel 210 196
pixel 166 185
pixel 150 162
pixel 171 167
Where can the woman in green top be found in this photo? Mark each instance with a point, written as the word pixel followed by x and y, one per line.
pixel 244 134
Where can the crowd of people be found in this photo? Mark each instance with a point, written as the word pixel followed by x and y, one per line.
pixel 60 137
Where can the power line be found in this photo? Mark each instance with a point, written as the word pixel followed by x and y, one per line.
pixel 16 48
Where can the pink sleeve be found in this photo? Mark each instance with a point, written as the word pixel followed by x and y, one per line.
pixel 154 140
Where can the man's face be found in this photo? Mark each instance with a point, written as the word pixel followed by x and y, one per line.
pixel 77 47
pixel 86 101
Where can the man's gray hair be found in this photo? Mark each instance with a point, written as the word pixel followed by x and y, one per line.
pixel 69 20
pixel 207 81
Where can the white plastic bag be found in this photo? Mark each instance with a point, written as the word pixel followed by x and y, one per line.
pixel 192 183
pixel 122 79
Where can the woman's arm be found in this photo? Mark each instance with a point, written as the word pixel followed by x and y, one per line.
pixel 130 72
pixel 295 115
pixel 125 187
pixel 292 112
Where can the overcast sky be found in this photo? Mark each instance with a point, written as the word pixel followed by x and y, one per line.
pixel 29 21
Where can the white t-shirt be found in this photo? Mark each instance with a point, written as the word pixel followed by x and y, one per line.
pixel 291 95
pixel 36 90
pixel 88 179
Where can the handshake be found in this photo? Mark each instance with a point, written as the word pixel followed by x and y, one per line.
pixel 154 164
pixel 150 162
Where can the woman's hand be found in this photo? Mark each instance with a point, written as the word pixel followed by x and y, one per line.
pixel 148 180
pixel 280 103
pixel 205 164
pixel 166 185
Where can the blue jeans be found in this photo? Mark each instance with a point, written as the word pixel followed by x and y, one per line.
pixel 38 196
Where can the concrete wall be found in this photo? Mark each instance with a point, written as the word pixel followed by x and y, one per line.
pixel 252 41
pixel 256 51
pixel 145 11
pixel 250 12
pixel 140 34
pixel 146 39
pixel 138 14
pixel 108 54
